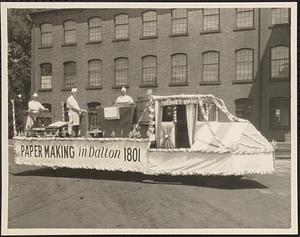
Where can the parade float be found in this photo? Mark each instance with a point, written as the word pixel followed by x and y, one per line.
pixel 183 144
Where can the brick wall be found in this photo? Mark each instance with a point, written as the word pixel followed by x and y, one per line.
pixel 226 42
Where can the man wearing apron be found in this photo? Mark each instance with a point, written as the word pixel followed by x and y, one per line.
pixel 34 109
pixel 73 113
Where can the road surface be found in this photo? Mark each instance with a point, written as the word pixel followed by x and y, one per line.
pixel 69 198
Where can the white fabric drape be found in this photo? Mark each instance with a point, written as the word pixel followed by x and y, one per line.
pixel 191 118
pixel 167 135
pixel 158 119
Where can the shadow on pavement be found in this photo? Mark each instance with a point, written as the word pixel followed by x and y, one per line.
pixel 236 183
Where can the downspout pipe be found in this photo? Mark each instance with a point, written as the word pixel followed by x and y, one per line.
pixel 259 69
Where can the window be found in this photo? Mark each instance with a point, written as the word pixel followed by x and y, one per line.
pixel 70 32
pixel 280 16
pixel 179 69
pixel 121 26
pixel 211 19
pixel 210 67
pixel 179 21
pixel 69 74
pixel 149 70
pixel 280 63
pixel 95 73
pixel 211 109
pixel 95 26
pixel 280 113
pixel 244 108
pixel 46 35
pixel 149 23
pixel 46 120
pixel 244 17
pixel 46 76
pixel 121 71
pixel 244 64
pixel 93 120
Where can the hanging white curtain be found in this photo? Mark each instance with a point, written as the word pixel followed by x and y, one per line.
pixel 191 117
pixel 158 120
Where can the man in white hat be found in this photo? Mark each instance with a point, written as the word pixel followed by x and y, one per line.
pixel 123 98
pixel 73 113
pixel 34 109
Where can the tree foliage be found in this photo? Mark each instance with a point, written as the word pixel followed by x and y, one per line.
pixel 19 55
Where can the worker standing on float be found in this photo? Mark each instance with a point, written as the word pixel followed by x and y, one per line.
pixel 34 109
pixel 73 113
pixel 123 98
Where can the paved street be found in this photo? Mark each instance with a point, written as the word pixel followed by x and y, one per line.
pixel 66 198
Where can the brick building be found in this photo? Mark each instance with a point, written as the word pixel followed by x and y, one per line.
pixel 239 55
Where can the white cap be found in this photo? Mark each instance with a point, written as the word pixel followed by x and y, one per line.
pixel 19 95
pixel 123 89
pixel 35 95
pixel 74 90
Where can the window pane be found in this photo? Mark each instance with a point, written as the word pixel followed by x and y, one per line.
pixel 149 16
pixel 149 70
pixel 210 11
pixel 93 119
pixel 70 32
pixel 211 66
pixel 244 17
pixel 69 74
pixel 280 62
pixel 95 29
pixel 244 108
pixel 280 15
pixel 211 22
pixel 121 19
pixel 179 59
pixel 179 68
pixel 280 113
pixel 244 64
pixel 70 25
pixel 179 21
pixel 46 34
pixel 95 73
pixel 95 22
pixel 70 36
pixel 121 71
pixel 149 23
pixel 210 73
pixel 179 26
pixel 149 29
pixel 211 57
pixel 211 19
pixel 179 13
pixel 46 76
pixel 121 31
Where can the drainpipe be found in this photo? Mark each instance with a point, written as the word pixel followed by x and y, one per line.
pixel 259 70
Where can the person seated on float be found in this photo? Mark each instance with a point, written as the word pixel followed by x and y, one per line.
pixel 124 99
pixel 74 113
pixel 34 110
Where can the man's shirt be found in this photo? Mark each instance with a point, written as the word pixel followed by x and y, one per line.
pixel 124 99
pixel 35 106
pixel 72 103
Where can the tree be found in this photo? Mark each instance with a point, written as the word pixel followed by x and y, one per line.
pixel 19 55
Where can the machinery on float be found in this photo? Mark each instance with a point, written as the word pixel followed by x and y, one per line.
pixel 172 135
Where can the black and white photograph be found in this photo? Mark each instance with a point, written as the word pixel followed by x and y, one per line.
pixel 149 118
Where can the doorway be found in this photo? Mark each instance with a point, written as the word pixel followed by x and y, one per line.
pixel 182 137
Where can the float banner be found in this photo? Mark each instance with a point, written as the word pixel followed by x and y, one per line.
pixel 122 154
